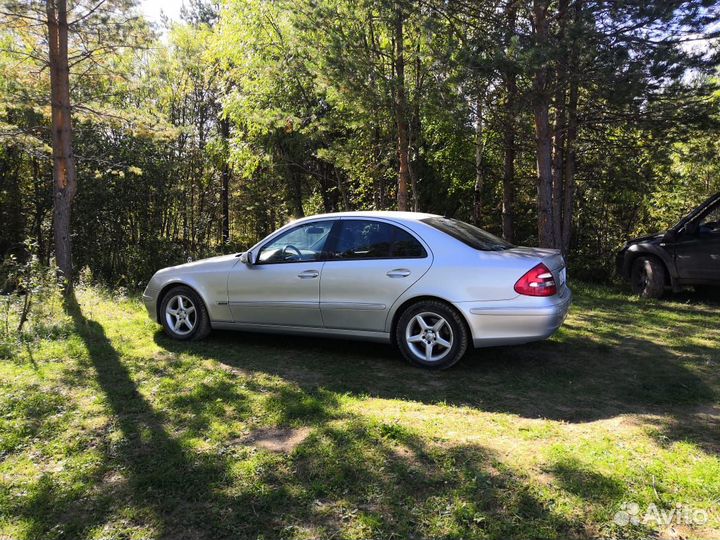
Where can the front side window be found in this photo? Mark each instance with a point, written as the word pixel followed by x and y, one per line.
pixel 468 234
pixel 303 243
pixel 710 224
pixel 366 239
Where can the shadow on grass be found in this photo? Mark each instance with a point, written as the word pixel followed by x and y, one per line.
pixel 586 483
pixel 597 368
pixel 349 477
pixel 159 472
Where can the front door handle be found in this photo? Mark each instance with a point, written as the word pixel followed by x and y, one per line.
pixel 398 273
pixel 308 274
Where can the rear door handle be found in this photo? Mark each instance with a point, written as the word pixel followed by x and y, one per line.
pixel 398 273
pixel 308 274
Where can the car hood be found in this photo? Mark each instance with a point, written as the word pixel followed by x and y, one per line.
pixel 220 259
pixel 650 238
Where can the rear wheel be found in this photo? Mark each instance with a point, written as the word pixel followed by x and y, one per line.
pixel 648 277
pixel 183 314
pixel 432 335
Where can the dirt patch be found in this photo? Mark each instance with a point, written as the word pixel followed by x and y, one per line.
pixel 277 439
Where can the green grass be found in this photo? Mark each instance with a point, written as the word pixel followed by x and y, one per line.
pixel 110 430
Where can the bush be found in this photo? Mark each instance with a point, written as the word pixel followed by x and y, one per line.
pixel 30 290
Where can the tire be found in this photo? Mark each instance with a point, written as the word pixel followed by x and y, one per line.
pixel 648 277
pixel 182 304
pixel 433 323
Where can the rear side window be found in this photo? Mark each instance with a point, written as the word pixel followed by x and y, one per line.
pixel 365 239
pixel 468 234
pixel 405 246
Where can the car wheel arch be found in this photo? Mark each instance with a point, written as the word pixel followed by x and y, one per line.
pixel 399 310
pixel 170 286
pixel 669 277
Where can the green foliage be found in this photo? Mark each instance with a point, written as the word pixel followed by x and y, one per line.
pixel 30 295
pixel 295 103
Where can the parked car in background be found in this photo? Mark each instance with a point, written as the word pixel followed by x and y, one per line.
pixel 684 255
pixel 429 284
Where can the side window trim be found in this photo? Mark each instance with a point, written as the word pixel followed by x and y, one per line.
pixel 323 253
pixel 335 235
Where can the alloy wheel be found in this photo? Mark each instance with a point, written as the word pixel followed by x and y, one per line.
pixel 181 315
pixel 429 337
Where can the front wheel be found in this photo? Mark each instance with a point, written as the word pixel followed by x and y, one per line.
pixel 648 277
pixel 432 335
pixel 183 314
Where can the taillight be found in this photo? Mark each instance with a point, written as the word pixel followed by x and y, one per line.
pixel 538 281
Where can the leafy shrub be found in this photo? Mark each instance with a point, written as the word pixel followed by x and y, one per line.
pixel 31 291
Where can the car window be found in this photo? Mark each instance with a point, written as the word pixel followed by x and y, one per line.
pixel 711 222
pixel 468 234
pixel 366 239
pixel 303 243
pixel 406 246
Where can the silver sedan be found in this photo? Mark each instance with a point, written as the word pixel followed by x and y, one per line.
pixel 429 284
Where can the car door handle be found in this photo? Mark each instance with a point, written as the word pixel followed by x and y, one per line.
pixel 308 274
pixel 398 273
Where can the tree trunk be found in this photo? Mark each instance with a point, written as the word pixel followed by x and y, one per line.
pixel 401 113
pixel 560 126
pixel 296 202
pixel 225 133
pixel 479 150
pixel 11 208
pixel 543 133
pixel 415 137
pixel 508 184
pixel 508 206
pixel 64 179
pixel 572 131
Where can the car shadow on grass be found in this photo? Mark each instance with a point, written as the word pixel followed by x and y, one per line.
pixel 609 360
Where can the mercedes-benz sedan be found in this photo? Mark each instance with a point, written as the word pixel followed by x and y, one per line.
pixel 429 284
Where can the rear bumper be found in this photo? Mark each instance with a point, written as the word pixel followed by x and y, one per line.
pixel 520 320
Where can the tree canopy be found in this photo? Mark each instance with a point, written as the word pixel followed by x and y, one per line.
pixel 573 124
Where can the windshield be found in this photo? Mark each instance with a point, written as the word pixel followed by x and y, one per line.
pixel 468 234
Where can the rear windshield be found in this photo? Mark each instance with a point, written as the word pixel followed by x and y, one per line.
pixel 468 234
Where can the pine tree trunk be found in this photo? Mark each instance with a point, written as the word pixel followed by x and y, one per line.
pixel 479 150
pixel 11 209
pixel 64 178
pixel 572 131
pixel 401 114
pixel 416 141
pixel 543 133
pixel 508 183
pixel 225 133
pixel 296 193
pixel 560 127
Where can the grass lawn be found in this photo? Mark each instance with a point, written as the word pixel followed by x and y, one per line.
pixel 110 430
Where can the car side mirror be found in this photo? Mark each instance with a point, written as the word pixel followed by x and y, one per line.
pixel 247 258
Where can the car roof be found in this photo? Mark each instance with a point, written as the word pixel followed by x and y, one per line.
pixel 392 215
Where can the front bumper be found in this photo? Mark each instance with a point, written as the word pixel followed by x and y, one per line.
pixel 521 320
pixel 149 298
